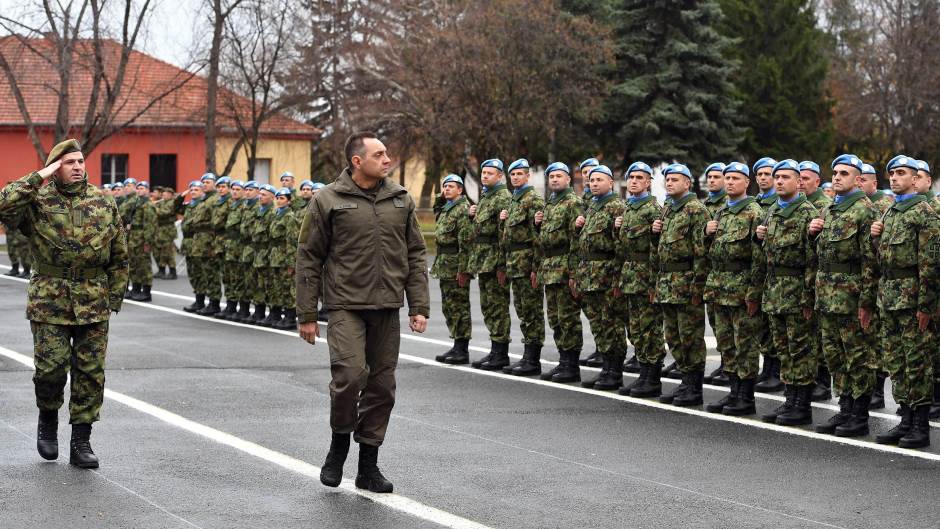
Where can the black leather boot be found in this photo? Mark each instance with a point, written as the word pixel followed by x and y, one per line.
pixel 244 312
pixel 461 354
pixel 26 270
pixel 730 399
pixel 47 435
pixel 596 359
pixel 651 386
pixel 692 396
pixel 530 364
pixel 846 407
pixel 14 270
pixel 589 383
pixel 919 434
pixel 894 435
pixel 478 364
pixel 331 474
pixel 144 296
pixel 274 318
pixel 197 305
pixel 369 476
pixel 772 384
pixel 226 313
pixel 547 375
pixel 500 358
pixel 258 315
pixel 172 274
pixel 878 397
pixel 632 365
pixel 790 393
pixel 569 370
pixel 613 379
pixel 823 389
pixel 857 423
pixel 676 393
pixel 446 354
pixel 161 273
pixel 720 373
pixel 644 373
pixel 132 292
pixel 935 408
pixel 289 323
pixel 802 410
pixel 81 453
pixel 672 371
pixel 211 309
pixel 744 404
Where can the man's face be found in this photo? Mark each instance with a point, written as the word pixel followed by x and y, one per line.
pixel 282 201
pixel 223 189
pixel 844 179
pixel 787 183
pixel 558 180
pixel 715 181
pixel 451 190
pixel 490 176
pixel 765 179
pixel 154 196
pixel 196 192
pixel 868 183
pixel 519 177
pixel 208 185
pixel 106 192
pixel 601 184
pixel 306 192
pixel 902 180
pixel 72 168
pixel 266 197
pixel 374 162
pixel 809 182
pixel 922 182
pixel 287 181
pixel 142 191
pixel 677 185
pixel 167 195
pixel 638 182
pixel 251 193
pixel 736 184
pixel 117 191
pixel 237 193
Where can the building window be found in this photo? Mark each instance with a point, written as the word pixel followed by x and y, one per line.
pixel 113 168
pixel 163 170
pixel 263 170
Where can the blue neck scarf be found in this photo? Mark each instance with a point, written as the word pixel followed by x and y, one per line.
pixel 516 191
pixel 839 198
pixel 783 204
pixel 636 198
pixel 715 193
pixel 902 198
pixel 599 198
pixel 767 194
pixel 732 203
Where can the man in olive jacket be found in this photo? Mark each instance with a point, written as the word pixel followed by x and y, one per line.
pixel 361 248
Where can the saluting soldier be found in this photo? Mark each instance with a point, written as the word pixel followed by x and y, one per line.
pixel 768 380
pixel 194 195
pixel 164 252
pixel 596 277
pixel 683 268
pixel 234 275
pixel 203 274
pixel 247 257
pixel 908 243
pixel 557 258
pixel 488 262
pixel 128 199
pixel 261 242
pixel 79 278
pixel 846 288
pixel 636 249
pixel 221 208
pixel 789 293
pixel 733 290
pixel 217 196
pixel 141 226
pixel 716 199
pixel 452 235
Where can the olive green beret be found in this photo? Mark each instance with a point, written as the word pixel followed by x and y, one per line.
pixel 67 146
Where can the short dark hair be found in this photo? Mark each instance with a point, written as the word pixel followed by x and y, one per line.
pixel 354 145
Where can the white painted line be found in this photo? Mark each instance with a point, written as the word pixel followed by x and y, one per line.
pixel 394 501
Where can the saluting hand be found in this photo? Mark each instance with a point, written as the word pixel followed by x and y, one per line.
pixel 761 232
pixel 657 226
pixel 877 228
pixel 816 226
pixel 309 331
pixel 50 169
pixel 418 323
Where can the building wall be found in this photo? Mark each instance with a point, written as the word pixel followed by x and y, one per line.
pixel 285 154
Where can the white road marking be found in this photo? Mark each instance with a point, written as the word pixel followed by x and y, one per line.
pixel 394 501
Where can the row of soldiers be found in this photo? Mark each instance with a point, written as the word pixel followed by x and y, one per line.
pixel 847 284
pixel 18 251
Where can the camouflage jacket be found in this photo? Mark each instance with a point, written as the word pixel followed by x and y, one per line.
pixel 556 251
pixel 767 201
pixel 233 230
pixel 716 202
pixel 78 246
pixel 452 233
pixel 791 258
pixel 219 212
pixel 249 216
pixel 520 234
pixel 284 231
pixel 881 201
pixel 908 255
pixel 203 230
pixel 680 252
pixel 597 245
pixel 637 246
pixel 847 277
pixel 586 197
pixel 737 263
pixel 260 235
pixel 142 226
pixel 819 200
pixel 297 203
pixel 126 208
pixel 486 255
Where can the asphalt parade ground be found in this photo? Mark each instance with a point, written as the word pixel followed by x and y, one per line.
pixel 211 424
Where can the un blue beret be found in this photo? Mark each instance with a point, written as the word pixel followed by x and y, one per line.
pixel 117 184
pixel 453 178
pixel 143 183
pixel 923 166
pixel 269 188
pixel 640 166
pixel 848 159
pixel 788 164
pixel 737 167
pixel 766 161
pixel 521 163
pixel 224 181
pixel 678 168
pixel 495 163
pixel 826 185
pixel 238 183
pixel 207 176
pixel 106 186
pixel 590 162
pixel 557 166
pixel 285 174
pixel 868 169
pixel 807 165
pixel 282 192
pixel 902 160
pixel 251 184
pixel 195 183
pixel 601 169
pixel 130 182
pixel 318 185
pixel 717 166
pixel 306 183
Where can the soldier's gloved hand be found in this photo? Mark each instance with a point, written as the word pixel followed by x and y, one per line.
pixel 504 214
pixel 864 318
pixel 923 320
pixel 877 228
pixel 533 280
pixel 539 217
pixel 418 323
pixel 761 232
pixel 752 307
pixel 711 227
pixel 472 211
pixel 657 226
pixel 501 277
pixel 309 331
pixel 462 279
pixel 618 222
pixel 816 226
pixel 579 222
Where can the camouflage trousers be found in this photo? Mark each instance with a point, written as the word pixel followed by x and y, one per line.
pixel 645 321
pixel 737 333
pixel 164 251
pixel 564 317
pixel 530 308
pixel 601 309
pixel 494 303
pixel 793 341
pixel 765 338
pixel 455 304
pixel 234 280
pixel 259 285
pixel 61 350
pixel 281 287
pixel 205 276
pixel 18 248
pixel 139 267
pixel 908 354
pixel 848 353
pixel 684 327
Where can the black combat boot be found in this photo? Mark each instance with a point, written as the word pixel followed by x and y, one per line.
pixel 569 370
pixel 846 407
pixel 500 358
pixel 878 397
pixel 132 292
pixel 802 410
pixel 369 476
pixel 47 435
pixel 692 396
pixel 478 364
pixel 823 389
pixel 26 270
pixel 172 274
pixel 244 312
pixel 331 474
pixel 461 354
pixel 596 359
pixel 144 296
pixel 857 423
pixel 919 434
pixel 744 404
pixel 894 435
pixel 81 454
pixel 230 308
pixel 672 371
pixel 274 317
pixel 651 387
pixel 446 354
pixel 289 323
pixel 644 373
pixel 676 393
pixel 771 384
pixel 530 364
pixel 790 393
pixel 14 270
pixel 210 309
pixel 547 375
pixel 197 305
pixel 589 383
pixel 728 400
pixel 935 408
pixel 720 372
pixel 613 379
pixel 632 365
pixel 258 315
pixel 161 273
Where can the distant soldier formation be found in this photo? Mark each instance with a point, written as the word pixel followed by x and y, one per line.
pixel 834 284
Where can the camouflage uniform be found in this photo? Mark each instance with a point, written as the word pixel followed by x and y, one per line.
pixel 79 278
pixel 820 201
pixel 518 244
pixel 141 232
pixel 683 269
pixel 637 251
pixel 203 274
pixel 714 202
pixel 235 274
pixel 261 242
pixel 164 252
pixel 17 245
pixel 219 210
pixel 486 258
pixel 881 201
pixel 282 256
pixel 249 217
pixel 453 233
pixel 557 258
pixel 736 276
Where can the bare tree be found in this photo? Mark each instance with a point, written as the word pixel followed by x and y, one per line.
pixel 220 11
